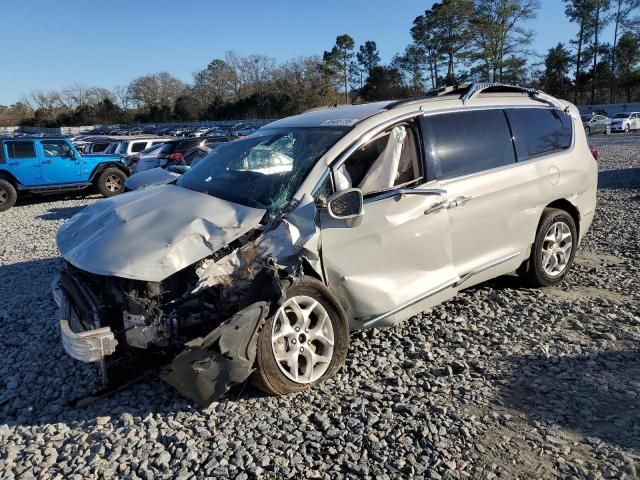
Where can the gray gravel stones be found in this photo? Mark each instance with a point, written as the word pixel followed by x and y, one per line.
pixel 501 382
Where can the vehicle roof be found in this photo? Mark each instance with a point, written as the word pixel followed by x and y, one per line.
pixel 29 138
pixel 351 115
pixel 332 116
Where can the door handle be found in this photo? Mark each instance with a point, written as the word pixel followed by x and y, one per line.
pixel 458 201
pixel 46 162
pixel 436 207
pixel 13 164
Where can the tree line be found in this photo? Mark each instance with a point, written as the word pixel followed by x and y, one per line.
pixel 453 42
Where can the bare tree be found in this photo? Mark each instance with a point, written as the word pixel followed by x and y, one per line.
pixel 499 35
pixel 623 22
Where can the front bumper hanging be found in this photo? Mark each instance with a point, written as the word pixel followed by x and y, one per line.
pixel 89 346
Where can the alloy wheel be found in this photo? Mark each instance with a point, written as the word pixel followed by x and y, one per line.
pixel 556 249
pixel 302 339
pixel 113 183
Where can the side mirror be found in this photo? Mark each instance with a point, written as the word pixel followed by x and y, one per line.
pixel 69 153
pixel 347 205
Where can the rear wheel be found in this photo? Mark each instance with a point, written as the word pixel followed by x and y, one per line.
pixel 304 343
pixel 8 195
pixel 554 249
pixel 587 130
pixel 111 182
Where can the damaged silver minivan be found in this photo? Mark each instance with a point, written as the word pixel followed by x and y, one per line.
pixel 260 260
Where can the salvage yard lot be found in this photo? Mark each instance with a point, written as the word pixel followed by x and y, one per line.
pixel 503 381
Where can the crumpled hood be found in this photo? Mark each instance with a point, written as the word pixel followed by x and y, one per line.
pixel 149 178
pixel 152 233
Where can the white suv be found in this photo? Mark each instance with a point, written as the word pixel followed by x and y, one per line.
pixel 379 212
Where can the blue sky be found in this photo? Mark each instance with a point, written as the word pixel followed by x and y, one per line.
pixel 52 44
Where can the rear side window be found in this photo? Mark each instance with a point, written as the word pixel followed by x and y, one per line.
pixel 462 143
pixel 540 131
pixel 138 147
pixel 20 150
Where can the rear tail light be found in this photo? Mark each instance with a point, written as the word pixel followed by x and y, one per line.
pixel 594 152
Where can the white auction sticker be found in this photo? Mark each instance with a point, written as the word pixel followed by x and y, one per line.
pixel 340 122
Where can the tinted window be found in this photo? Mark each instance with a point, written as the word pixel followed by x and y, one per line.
pixel 20 150
pixel 138 147
pixel 467 142
pixel 540 131
pixel 55 148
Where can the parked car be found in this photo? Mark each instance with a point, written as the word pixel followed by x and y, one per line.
pixel 596 124
pixel 151 177
pixel 99 146
pixel 50 165
pixel 145 160
pixel 129 147
pixel 625 122
pixel 385 209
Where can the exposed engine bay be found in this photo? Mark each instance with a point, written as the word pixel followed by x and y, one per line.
pixel 199 324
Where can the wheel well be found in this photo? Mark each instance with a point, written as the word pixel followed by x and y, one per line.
pixel 103 166
pixel 570 208
pixel 4 175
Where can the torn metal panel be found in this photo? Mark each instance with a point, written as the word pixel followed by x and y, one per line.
pixel 211 365
pixel 165 229
pixel 295 237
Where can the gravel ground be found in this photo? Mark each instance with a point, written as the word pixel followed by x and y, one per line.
pixel 503 381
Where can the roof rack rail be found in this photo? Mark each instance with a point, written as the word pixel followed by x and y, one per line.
pixel 438 92
pixel 476 88
pixel 467 91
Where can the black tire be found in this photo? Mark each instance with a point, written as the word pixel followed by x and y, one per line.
pixel 607 130
pixel 587 130
pixel 8 195
pixel 268 375
pixel 111 182
pixel 627 128
pixel 534 273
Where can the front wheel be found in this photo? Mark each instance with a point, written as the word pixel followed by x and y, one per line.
pixel 304 343
pixel 587 130
pixel 111 182
pixel 8 195
pixel 607 131
pixel 554 249
pixel 627 128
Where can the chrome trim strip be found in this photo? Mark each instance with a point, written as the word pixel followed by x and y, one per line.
pixel 486 267
pixel 427 294
pixel 405 191
pixel 450 284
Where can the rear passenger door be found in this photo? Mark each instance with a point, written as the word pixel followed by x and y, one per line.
pixel 23 162
pixel 472 154
pixel 58 166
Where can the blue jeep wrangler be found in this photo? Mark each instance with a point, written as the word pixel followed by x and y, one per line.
pixel 49 165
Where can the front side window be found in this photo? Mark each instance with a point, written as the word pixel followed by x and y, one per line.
pixel 18 150
pixel 55 148
pixel 462 143
pixel 540 131
pixel 263 170
pixel 390 160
